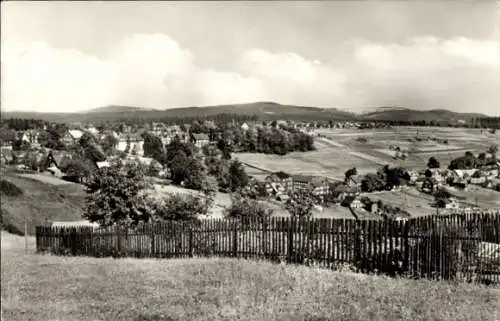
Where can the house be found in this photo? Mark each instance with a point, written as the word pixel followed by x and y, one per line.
pixel 464 173
pixel 22 136
pixel 32 136
pixel 274 188
pixel 94 131
pixel 341 191
pixel 478 180
pixel 315 184
pixel 356 204
pixel 320 188
pixel 134 142
pixel 245 127
pixel 109 133
pixel 72 136
pixel 103 164
pixel 301 181
pixel 199 140
pixel 414 176
pixel 122 142
pixel 282 178
pixel 55 171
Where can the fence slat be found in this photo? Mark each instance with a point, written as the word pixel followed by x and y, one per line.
pixel 436 246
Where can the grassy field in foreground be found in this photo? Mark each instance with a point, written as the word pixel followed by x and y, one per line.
pixel 36 287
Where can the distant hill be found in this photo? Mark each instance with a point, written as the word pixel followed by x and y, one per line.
pixel 405 114
pixel 116 109
pixel 263 110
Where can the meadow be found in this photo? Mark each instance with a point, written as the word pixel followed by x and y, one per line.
pixel 40 201
pixel 340 149
pixel 44 287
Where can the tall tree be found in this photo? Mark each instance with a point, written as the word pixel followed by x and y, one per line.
pixel 433 163
pixel 114 196
pixel 108 143
pixel 153 147
pixel 239 177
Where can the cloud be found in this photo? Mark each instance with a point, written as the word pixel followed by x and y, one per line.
pixel 37 77
pixel 153 70
pixel 459 74
pixel 290 78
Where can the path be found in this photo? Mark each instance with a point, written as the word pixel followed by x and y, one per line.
pixel 361 155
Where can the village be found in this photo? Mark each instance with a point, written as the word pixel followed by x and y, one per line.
pixel 441 189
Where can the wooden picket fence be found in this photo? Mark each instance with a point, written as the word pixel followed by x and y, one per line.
pixel 465 246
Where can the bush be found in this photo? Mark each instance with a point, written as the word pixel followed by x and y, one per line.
pixel 179 207
pixel 245 208
pixel 9 189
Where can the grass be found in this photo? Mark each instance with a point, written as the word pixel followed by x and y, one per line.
pixel 417 203
pixel 221 200
pixel 40 201
pixel 36 287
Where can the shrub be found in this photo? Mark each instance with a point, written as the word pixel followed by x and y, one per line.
pixel 245 208
pixel 9 189
pixel 179 207
pixel 300 204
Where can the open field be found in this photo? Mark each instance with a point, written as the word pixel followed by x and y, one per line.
pixel 413 201
pixel 340 150
pixel 486 198
pixel 328 161
pixel 36 287
pixel 459 140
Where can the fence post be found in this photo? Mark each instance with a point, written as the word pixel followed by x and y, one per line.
pixel 190 240
pixel 118 245
pixel 357 243
pixel 235 238
pixel 152 226
pixel 291 230
pixel 406 246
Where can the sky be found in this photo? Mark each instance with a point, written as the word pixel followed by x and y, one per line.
pixel 61 56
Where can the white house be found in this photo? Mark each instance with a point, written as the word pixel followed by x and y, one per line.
pixel 72 136
pixel 245 127
pixel 136 143
pixel 356 204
